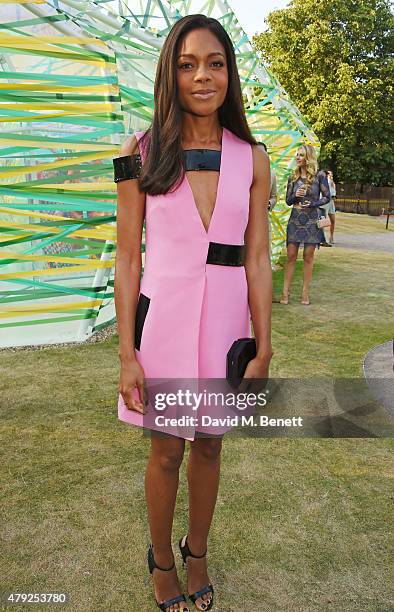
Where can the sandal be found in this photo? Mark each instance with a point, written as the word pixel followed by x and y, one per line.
pixel 305 302
pixel 168 602
pixel 185 551
pixel 285 298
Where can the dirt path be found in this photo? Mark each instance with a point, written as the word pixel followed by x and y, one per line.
pixel 366 242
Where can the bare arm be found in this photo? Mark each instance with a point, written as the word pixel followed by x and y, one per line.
pixel 333 190
pixel 257 263
pixel 130 218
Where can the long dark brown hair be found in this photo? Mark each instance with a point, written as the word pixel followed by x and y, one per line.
pixel 163 168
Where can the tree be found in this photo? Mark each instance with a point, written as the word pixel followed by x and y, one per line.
pixel 335 61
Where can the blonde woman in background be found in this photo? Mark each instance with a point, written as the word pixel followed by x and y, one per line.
pixel 307 190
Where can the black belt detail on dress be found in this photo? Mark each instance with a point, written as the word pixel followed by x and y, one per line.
pixel 127 167
pixel 226 254
pixel 201 159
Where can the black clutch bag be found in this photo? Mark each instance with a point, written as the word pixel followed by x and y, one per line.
pixel 238 357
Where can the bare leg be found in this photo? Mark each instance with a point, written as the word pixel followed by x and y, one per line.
pixel 332 226
pixel 308 255
pixel 203 473
pixel 292 252
pixel 161 486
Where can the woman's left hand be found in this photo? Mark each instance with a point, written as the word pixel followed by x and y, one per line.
pixel 257 368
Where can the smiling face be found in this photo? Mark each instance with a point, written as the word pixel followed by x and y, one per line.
pixel 300 158
pixel 202 75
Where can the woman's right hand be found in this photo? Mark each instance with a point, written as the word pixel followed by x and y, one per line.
pixel 131 376
pixel 301 191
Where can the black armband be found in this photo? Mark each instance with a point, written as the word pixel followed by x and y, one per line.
pixel 127 167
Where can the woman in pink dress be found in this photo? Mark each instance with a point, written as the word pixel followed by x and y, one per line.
pixel 201 183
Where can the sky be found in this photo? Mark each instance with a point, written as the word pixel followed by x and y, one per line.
pixel 251 13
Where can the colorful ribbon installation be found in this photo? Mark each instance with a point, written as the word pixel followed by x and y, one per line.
pixel 76 78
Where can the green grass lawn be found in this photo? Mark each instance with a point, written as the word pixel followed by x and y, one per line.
pixel 351 310
pixel 299 524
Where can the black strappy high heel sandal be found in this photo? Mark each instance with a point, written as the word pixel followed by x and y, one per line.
pixel 186 552
pixel 153 565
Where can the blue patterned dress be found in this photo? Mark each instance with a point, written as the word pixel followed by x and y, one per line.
pixel 301 227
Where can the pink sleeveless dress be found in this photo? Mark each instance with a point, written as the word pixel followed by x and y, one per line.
pixel 191 311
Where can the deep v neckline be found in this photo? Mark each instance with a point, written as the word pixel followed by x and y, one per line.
pixel 217 198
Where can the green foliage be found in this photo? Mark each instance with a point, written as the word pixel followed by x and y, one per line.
pixel 335 61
